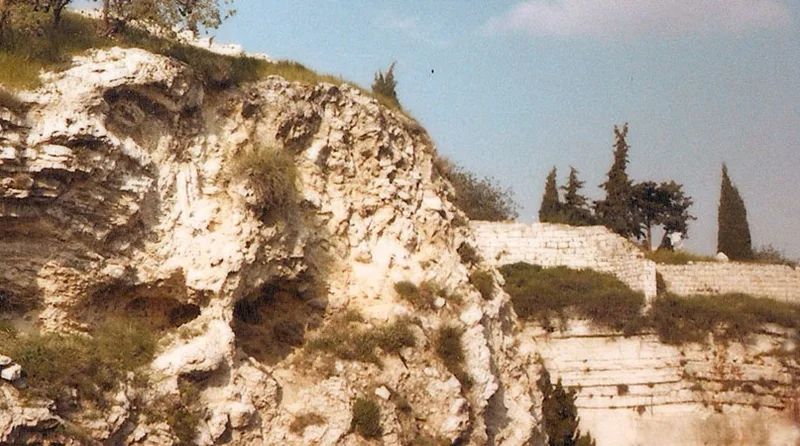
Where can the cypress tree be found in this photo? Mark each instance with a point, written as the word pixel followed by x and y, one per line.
pixel 616 211
pixel 733 234
pixel 575 210
pixel 551 205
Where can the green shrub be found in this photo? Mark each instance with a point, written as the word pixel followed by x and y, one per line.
pixel 541 294
pixel 420 297
pixel 272 174
pixel 180 416
pixel 677 257
pixel 301 422
pixel 56 363
pixel 348 340
pixel 367 418
pixel 728 316
pixel 451 352
pixel 560 415
pixel 483 281
pixel 469 255
pixel 480 199
pixel 9 100
pixel 771 255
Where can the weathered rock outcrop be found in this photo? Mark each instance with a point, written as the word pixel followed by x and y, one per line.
pixel 117 197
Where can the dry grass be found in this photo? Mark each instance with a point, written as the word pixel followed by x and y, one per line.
pixel 272 173
pixel 55 364
pixel 678 257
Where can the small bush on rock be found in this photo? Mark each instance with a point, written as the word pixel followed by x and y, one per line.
pixel 272 174
pixel 483 281
pixel 347 339
pixel 451 352
pixel 367 418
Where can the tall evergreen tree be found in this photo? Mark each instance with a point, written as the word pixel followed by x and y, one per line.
pixel 733 234
pixel 575 210
pixel 616 211
pixel 549 211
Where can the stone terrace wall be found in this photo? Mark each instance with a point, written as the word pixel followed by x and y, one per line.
pixel 550 245
pixel 777 281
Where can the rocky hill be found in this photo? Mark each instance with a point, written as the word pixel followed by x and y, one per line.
pixel 132 192
pixel 183 284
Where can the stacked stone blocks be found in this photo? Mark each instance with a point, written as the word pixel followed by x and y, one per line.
pixel 551 245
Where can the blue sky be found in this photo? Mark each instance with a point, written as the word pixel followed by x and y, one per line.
pixel 510 88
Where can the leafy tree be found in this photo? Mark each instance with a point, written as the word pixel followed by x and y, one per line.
pixel 167 14
pixel 560 414
pixel 385 85
pixel 551 205
pixel 661 205
pixel 733 235
pixel 480 199
pixel 575 209
pixel 616 211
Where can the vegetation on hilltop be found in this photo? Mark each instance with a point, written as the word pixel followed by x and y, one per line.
pixel 480 199
pixel 630 209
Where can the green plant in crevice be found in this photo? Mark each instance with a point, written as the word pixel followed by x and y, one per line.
pixel 366 419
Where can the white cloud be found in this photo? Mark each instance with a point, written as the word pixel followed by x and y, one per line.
pixel 627 18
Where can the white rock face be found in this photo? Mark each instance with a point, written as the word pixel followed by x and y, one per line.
pixel 119 198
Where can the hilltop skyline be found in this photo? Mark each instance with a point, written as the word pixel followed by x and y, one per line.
pixel 511 88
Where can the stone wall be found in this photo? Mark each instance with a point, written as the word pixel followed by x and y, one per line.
pixel 576 247
pixel 777 281
pixel 638 391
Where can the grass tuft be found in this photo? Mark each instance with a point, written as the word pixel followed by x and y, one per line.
pixel 677 257
pixel 348 339
pixel 483 281
pixel 272 174
pixel 451 352
pixel 367 418
pixel 55 364
pixel 301 422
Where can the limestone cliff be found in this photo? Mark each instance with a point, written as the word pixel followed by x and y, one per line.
pixel 117 199
pixel 123 196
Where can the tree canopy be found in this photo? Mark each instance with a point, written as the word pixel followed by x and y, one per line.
pixel 663 205
pixel 575 210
